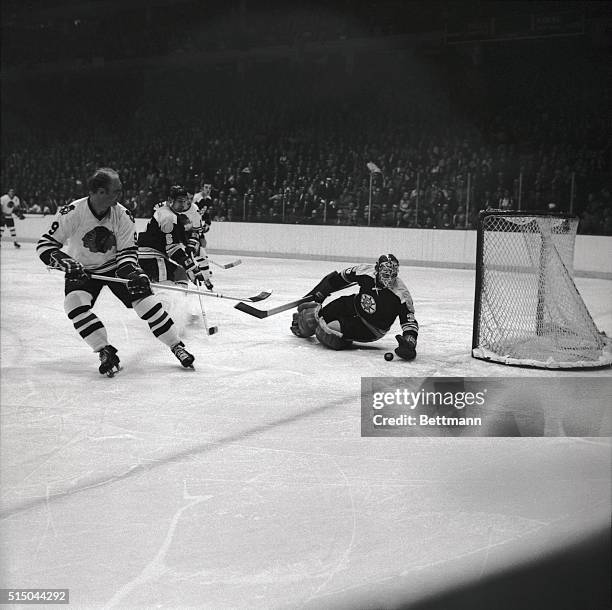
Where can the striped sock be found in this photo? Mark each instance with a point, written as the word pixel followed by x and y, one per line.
pixel 154 314
pixel 77 306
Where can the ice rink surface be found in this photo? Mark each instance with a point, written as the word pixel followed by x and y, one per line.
pixel 246 483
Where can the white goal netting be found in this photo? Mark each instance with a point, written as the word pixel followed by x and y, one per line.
pixel 527 309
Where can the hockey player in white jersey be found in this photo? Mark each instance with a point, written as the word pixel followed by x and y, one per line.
pixel 365 316
pixel 203 200
pixel 11 206
pixel 100 238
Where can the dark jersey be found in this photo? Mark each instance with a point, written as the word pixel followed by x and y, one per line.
pixel 378 307
pixel 166 235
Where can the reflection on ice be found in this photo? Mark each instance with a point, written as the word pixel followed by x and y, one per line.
pixel 246 482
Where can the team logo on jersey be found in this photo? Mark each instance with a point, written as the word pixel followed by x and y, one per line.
pixel 66 209
pixel 185 221
pixel 99 239
pixel 368 304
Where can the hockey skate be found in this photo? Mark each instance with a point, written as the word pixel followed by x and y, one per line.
pixel 108 361
pixel 184 357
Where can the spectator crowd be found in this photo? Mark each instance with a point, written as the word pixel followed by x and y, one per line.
pixel 287 144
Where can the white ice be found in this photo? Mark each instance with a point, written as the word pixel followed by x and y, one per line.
pixel 246 483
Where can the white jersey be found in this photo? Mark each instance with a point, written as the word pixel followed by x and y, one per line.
pixel 166 217
pixel 202 199
pixel 168 232
pixel 9 204
pixel 99 244
pixel 193 213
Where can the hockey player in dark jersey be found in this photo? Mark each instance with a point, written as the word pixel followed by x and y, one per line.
pixel 365 316
pixel 170 248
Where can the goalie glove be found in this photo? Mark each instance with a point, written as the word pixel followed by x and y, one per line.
pixel 198 271
pixel 318 297
pixel 406 348
pixel 330 283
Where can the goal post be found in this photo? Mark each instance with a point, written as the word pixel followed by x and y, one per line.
pixel 527 309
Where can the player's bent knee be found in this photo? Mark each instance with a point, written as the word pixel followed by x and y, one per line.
pixel 75 300
pixel 330 335
pixel 307 318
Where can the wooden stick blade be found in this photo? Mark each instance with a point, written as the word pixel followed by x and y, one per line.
pixel 259 313
pixel 252 311
pixel 258 297
pixel 227 265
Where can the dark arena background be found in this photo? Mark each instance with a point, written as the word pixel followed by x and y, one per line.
pixel 323 134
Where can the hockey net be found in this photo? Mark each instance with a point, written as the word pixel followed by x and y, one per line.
pixel 527 309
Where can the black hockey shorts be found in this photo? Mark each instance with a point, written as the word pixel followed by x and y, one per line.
pixel 162 270
pixel 352 326
pixel 8 221
pixel 94 287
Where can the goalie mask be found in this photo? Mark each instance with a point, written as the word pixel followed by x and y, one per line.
pixel 387 267
pixel 178 199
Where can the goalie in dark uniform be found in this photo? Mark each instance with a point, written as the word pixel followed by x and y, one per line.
pixel 365 316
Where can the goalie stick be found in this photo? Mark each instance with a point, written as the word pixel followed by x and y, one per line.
pixel 226 265
pixel 259 313
pixel 266 313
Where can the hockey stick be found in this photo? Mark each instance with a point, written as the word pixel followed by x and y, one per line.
pixel 266 313
pixel 210 330
pixel 227 265
pixel 259 313
pixel 254 299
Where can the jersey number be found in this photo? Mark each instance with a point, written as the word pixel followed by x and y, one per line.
pixel 54 228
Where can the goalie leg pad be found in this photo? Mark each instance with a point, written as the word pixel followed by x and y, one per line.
pixel 304 322
pixel 330 335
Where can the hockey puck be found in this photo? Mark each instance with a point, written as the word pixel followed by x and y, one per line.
pixel 389 356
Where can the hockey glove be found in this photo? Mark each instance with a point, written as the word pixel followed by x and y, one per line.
pixel 330 283
pixel 198 271
pixel 193 246
pixel 317 295
pixel 406 348
pixel 75 272
pixel 139 285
